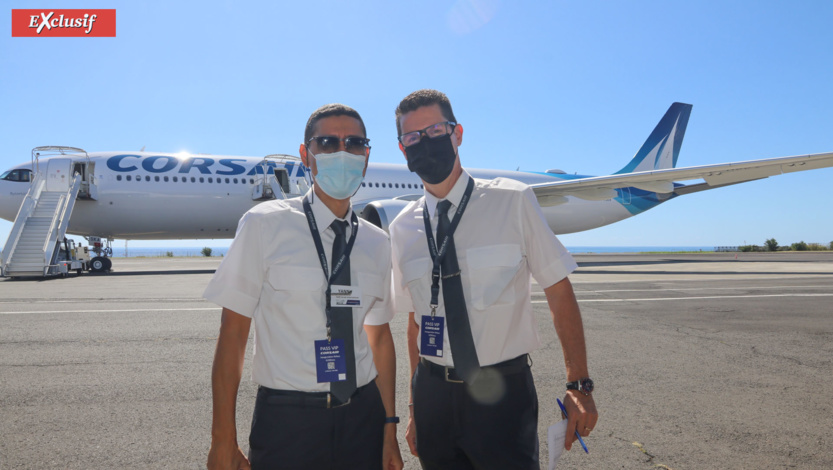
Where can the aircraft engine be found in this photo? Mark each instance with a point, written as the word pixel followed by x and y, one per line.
pixel 381 213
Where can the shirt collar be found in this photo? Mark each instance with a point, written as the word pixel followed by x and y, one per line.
pixel 323 215
pixel 454 196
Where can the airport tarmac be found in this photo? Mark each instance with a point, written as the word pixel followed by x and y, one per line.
pixel 701 361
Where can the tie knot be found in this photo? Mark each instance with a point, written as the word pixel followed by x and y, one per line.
pixel 443 207
pixel 339 227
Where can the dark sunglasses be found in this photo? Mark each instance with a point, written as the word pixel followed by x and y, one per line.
pixel 331 144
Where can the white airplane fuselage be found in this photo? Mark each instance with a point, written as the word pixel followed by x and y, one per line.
pixel 153 196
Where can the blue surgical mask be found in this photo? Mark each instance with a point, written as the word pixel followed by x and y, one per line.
pixel 339 174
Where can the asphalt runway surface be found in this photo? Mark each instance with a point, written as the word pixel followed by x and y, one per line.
pixel 701 361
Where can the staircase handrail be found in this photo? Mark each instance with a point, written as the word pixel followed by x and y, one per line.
pixel 59 222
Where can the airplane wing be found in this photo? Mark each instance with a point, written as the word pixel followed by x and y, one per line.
pixel 666 180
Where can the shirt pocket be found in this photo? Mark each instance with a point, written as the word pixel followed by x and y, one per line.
pixel 416 276
pixel 373 288
pixel 491 271
pixel 283 277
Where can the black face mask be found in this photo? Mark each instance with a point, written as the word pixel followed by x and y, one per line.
pixel 432 159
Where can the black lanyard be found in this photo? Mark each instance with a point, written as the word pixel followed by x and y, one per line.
pixel 438 254
pixel 322 256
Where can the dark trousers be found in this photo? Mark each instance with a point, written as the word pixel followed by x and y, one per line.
pixel 493 425
pixel 308 436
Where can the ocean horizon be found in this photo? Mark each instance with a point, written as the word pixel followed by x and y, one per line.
pixel 151 252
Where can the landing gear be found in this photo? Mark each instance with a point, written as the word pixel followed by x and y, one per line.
pixel 103 248
pixel 99 264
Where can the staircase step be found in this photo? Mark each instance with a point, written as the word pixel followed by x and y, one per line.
pixel 26 267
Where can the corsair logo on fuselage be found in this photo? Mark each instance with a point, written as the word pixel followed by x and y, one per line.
pixel 204 165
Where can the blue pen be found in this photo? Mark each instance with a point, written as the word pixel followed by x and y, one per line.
pixel 564 410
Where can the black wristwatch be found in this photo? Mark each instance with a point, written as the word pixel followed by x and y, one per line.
pixel 584 386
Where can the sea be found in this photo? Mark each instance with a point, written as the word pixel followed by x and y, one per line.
pixel 152 252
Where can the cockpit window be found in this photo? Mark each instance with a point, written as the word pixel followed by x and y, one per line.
pixel 17 175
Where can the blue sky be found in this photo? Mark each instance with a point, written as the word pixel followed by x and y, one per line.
pixel 537 85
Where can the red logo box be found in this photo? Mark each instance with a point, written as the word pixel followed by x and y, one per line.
pixel 64 23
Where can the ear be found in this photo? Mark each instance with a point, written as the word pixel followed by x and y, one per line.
pixel 458 132
pixel 303 152
pixel 402 149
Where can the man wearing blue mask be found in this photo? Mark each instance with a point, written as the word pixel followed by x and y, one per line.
pixel 315 280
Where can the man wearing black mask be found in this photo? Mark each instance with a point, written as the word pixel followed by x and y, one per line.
pixel 462 259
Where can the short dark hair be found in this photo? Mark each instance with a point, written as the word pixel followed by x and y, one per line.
pixel 328 110
pixel 420 98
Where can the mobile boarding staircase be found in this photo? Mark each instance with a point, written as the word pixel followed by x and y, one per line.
pixel 41 222
pixel 273 180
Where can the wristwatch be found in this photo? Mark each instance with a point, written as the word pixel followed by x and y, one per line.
pixel 584 386
pixel 392 420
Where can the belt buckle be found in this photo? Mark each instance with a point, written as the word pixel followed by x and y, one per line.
pixel 330 401
pixel 447 379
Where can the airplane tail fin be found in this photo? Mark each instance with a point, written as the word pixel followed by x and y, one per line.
pixel 662 148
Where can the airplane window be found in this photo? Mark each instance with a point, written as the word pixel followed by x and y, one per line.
pixel 118 177
pixel 202 180
pixel 194 180
pixel 166 179
pixel 377 185
pixel 219 180
pixel 17 175
pixel 210 179
pixel 128 177
pixel 226 180
pixel 235 180
pixel 156 178
pixel 251 181
pixel 175 179
pixel 147 178
pixel 362 185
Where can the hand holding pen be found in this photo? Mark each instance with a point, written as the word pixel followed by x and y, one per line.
pixel 564 412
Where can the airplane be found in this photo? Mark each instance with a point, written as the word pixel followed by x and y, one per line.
pixel 161 196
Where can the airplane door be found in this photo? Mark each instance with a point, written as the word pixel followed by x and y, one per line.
pixel 58 174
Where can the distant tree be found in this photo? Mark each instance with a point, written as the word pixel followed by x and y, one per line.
pixel 169 254
pixel 831 246
pixel 206 252
pixel 800 246
pixel 771 245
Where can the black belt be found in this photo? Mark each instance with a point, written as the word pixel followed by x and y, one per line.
pixel 304 399
pixel 449 374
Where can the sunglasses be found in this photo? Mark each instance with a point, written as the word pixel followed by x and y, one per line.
pixel 331 144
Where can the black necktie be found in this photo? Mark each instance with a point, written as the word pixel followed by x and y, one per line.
pixel 342 317
pixel 456 314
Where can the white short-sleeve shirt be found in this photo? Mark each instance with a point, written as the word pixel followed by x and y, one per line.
pixel 502 239
pixel 273 275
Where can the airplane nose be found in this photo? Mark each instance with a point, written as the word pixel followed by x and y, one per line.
pixel 10 201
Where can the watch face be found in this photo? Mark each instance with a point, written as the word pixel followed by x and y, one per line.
pixel 587 386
